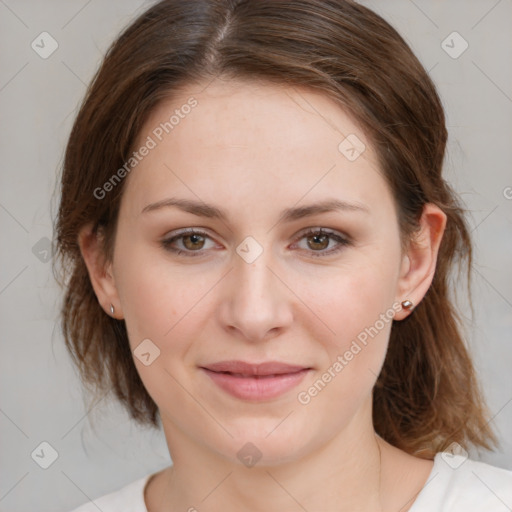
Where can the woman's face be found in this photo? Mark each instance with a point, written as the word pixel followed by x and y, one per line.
pixel 256 164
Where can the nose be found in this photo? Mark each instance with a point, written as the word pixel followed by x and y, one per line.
pixel 256 305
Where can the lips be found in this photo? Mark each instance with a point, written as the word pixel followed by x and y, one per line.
pixel 243 369
pixel 255 382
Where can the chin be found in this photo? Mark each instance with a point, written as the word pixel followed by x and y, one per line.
pixel 266 442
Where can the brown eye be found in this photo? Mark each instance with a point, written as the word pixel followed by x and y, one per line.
pixel 193 242
pixel 318 242
pixel 189 243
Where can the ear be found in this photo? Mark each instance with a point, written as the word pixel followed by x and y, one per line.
pixel 419 262
pixel 100 274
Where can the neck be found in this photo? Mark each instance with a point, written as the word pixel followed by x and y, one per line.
pixel 343 474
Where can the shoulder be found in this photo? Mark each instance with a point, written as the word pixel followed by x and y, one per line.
pixel 129 498
pixel 457 483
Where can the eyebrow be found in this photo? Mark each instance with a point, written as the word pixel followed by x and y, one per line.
pixel 202 209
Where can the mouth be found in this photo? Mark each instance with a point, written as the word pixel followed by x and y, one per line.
pixel 255 382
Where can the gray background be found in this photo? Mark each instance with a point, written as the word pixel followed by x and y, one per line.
pixel 41 397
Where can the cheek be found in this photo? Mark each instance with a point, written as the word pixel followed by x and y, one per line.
pixel 156 295
pixel 360 312
pixel 354 312
pixel 164 305
pixel 350 298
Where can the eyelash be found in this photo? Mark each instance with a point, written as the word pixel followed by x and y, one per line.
pixel 342 242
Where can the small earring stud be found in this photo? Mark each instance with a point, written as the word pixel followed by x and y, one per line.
pixel 407 304
pixel 112 309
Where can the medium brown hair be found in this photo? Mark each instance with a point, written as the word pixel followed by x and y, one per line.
pixel 426 396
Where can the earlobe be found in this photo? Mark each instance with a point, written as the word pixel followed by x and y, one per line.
pixel 419 263
pixel 100 273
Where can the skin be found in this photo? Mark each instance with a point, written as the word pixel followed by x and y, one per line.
pixel 253 150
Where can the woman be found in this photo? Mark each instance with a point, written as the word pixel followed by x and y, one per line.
pixel 259 242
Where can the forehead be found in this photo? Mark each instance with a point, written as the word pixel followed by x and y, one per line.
pixel 230 113
pixel 247 138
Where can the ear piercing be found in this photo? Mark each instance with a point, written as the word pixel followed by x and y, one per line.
pixel 407 304
pixel 112 309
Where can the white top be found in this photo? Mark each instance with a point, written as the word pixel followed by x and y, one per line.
pixel 455 484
